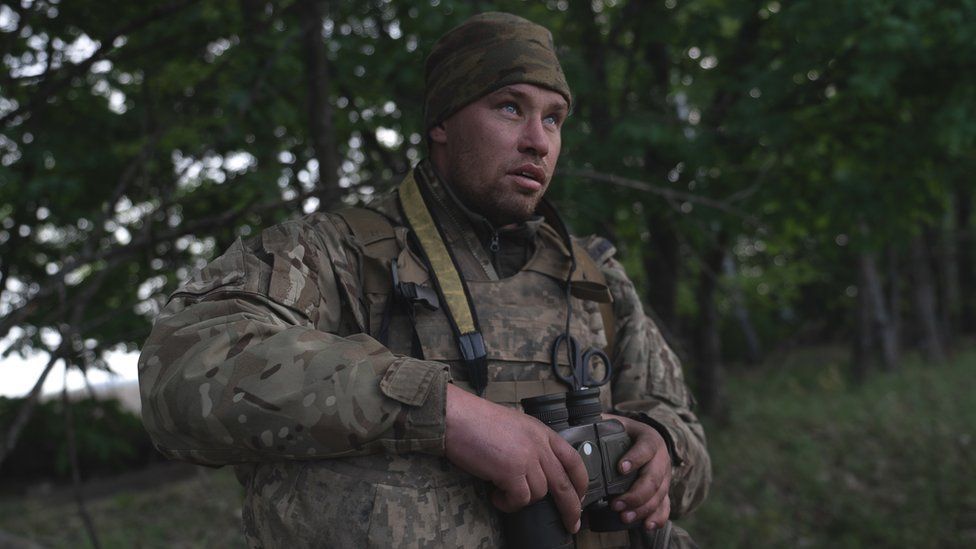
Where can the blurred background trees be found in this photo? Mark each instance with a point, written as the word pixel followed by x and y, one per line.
pixel 774 174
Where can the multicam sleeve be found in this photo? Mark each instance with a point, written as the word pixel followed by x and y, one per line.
pixel 648 384
pixel 245 363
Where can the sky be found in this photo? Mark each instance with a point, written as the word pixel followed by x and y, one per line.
pixel 18 375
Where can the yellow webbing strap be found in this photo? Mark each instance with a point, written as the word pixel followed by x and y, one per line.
pixel 440 259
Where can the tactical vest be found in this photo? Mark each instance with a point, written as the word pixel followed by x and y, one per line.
pixel 520 316
pixel 421 496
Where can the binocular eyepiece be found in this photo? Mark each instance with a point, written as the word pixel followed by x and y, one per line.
pixel 575 416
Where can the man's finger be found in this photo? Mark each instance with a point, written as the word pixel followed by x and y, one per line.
pixel 660 516
pixel 567 503
pixel 650 509
pixel 565 491
pixel 512 494
pixel 643 489
pixel 537 482
pixel 641 453
pixel 572 463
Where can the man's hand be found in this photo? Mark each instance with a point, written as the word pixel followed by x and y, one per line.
pixel 647 500
pixel 517 453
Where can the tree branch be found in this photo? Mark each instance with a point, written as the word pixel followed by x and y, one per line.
pixel 26 409
pixel 318 84
pixel 64 348
pixel 49 85
pixel 664 192
pixel 76 488
pixel 136 246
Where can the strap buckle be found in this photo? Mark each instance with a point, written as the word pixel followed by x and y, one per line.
pixel 472 347
pixel 412 292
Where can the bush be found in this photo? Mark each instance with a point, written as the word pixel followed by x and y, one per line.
pixel 108 439
pixel 810 460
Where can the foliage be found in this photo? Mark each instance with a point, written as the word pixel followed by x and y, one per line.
pixel 809 460
pixel 793 138
pixel 108 438
pixel 141 138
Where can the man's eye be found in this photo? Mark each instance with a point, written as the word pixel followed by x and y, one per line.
pixel 551 119
pixel 510 108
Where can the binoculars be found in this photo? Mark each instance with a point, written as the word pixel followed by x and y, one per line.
pixel 575 416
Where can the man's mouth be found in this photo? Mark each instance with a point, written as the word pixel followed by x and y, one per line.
pixel 531 177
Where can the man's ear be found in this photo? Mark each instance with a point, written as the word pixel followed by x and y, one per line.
pixel 438 134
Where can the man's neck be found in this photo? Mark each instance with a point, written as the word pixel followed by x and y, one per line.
pixel 514 241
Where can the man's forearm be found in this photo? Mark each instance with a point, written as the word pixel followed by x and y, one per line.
pixel 226 382
pixel 649 384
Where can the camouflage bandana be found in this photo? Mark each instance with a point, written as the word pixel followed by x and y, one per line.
pixel 485 53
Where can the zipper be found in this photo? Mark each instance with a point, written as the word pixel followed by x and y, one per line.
pixel 443 202
pixel 452 210
pixel 493 247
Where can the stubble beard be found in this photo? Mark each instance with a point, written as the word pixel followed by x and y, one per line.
pixel 499 205
pixel 492 198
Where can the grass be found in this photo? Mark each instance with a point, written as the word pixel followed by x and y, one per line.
pixel 805 459
pixel 809 460
pixel 201 511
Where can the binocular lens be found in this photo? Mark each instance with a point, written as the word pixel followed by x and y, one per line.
pixel 549 409
pixel 584 406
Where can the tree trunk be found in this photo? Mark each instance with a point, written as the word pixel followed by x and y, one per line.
pixel 966 257
pixel 76 485
pixel 741 313
pixel 894 298
pixel 321 129
pixel 948 269
pixel 594 52
pixel 662 263
pixel 873 298
pixel 862 355
pixel 709 341
pixel 925 302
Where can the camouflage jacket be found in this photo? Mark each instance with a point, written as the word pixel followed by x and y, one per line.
pixel 261 360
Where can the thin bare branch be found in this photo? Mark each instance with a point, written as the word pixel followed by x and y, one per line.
pixel 26 409
pixel 137 246
pixel 670 194
pixel 76 488
pixel 68 331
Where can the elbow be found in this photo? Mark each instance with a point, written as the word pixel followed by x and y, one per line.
pixel 691 484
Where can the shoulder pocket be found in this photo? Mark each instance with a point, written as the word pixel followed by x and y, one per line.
pixel 226 272
pixel 295 260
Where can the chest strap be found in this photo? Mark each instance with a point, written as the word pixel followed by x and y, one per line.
pixel 447 280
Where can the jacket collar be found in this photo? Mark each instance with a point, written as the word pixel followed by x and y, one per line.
pixel 467 219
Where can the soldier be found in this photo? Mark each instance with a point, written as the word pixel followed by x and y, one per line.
pixel 324 358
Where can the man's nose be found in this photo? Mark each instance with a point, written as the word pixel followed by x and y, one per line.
pixel 533 138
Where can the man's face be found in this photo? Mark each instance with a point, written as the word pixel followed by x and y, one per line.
pixel 499 152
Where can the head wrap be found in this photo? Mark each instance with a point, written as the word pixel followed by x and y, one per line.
pixel 485 53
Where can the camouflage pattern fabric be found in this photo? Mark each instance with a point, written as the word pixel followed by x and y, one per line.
pixel 649 385
pixel 483 54
pixel 380 501
pixel 257 357
pixel 262 360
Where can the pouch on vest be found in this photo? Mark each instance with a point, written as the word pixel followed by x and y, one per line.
pixel 388 269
